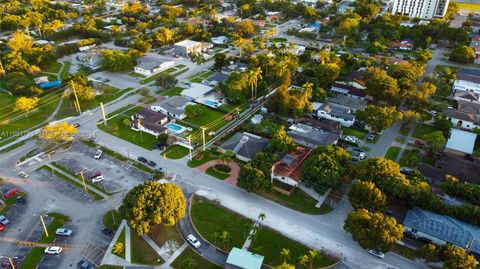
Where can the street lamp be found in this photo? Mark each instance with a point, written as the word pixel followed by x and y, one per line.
pixel 10 260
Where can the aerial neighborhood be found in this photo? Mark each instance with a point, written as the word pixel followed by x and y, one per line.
pixel 240 134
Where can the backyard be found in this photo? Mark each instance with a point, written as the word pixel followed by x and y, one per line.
pixel 212 120
pixel 361 134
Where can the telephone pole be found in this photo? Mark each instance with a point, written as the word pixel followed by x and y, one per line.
pixel 103 113
pixel 203 137
pixel 76 97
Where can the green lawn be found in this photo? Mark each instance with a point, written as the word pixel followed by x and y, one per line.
pixel 209 117
pixel 298 200
pixel 189 257
pixel 112 220
pixel 161 234
pixel 197 80
pixel 121 239
pixel 422 130
pixel 116 127
pixel 203 157
pixel 211 220
pixel 54 68
pixel 135 75
pixel 392 153
pixel 361 134
pixel 65 71
pixel 410 158
pixel 174 91
pixel 178 73
pixel 269 244
pixel 206 74
pixel 142 253
pixel 216 174
pixel 6 102
pixel 404 129
pixel 175 152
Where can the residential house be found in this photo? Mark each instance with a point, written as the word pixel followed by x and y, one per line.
pixel 215 79
pixel 186 47
pixel 323 124
pixel 466 116
pixel 245 145
pixel 149 121
pixel 404 45
pixel 331 111
pixel 273 15
pixel 355 104
pixel 197 90
pixel 219 40
pixel 467 97
pixel 148 66
pixel 441 229
pixel 467 80
pixel 348 90
pixel 288 169
pixel 460 143
pixel 465 169
pixel 243 259
pixel 308 3
pixel 173 107
pixel 311 137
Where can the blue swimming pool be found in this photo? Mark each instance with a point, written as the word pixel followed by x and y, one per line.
pixel 210 103
pixel 174 127
pixel 315 25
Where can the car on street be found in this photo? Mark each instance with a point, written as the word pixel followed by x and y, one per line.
pixel 93 139
pixel 63 232
pixel 83 264
pixel 141 159
pixel 370 137
pixel 4 220
pixel 11 192
pixel 161 169
pixel 97 177
pixel 107 231
pixel 152 163
pixel 98 154
pixel 193 240
pixel 22 174
pixel 21 200
pixel 6 263
pixel 53 250
pixel 377 254
pixel 2 227
pixel 76 125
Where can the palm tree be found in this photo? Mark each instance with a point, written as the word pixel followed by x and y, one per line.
pixel 197 58
pixel 285 253
pixel 308 88
pixel 224 237
pixel 215 236
pixel 303 260
pixel 253 76
pixel 262 216
pixel 313 254
pixel 239 42
pixel 227 157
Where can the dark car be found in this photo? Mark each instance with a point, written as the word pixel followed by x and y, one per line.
pixel 107 231
pixel 6 263
pixel 21 200
pixel 152 163
pixel 83 264
pixel 141 159
pixel 76 125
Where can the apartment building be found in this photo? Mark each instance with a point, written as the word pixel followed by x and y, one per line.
pixel 423 9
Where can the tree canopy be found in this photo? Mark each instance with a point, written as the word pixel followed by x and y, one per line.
pixel 364 194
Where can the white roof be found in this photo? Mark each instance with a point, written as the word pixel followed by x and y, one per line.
pixel 196 90
pixel 186 43
pixel 316 105
pixel 461 141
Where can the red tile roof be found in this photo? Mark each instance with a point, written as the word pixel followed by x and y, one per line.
pixel 291 164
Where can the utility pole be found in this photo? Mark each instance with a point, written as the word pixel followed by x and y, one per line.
pixel 203 137
pixel 76 97
pixel 103 114
pixel 190 146
pixel 83 178
pixel 44 226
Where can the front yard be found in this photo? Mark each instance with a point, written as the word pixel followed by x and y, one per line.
pixel 212 119
pixel 361 134
pixel 422 130
pixel 298 200
pixel 190 259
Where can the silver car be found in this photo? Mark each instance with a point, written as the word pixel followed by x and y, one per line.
pixel 63 231
pixel 4 220
pixel 193 240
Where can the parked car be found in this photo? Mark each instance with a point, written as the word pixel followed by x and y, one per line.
pixel 193 240
pixel 63 232
pixel 98 154
pixel 107 231
pixel 76 125
pixel 11 192
pixel 97 177
pixel 419 142
pixel 2 227
pixel 23 174
pixel 141 159
pixel 370 137
pixel 6 263
pixel 152 163
pixel 93 139
pixel 53 250
pixel 83 264
pixel 21 200
pixel 351 138
pixel 4 220
pixel 377 254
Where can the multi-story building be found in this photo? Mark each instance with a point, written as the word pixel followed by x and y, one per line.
pixel 423 9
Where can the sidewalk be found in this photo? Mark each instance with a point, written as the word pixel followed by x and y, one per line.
pixel 312 193
pixel 109 257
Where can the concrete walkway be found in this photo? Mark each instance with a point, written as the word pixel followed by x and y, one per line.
pixel 404 146
pixel 234 170
pixel 312 193
pixel 248 241
pixel 160 251
pixel 128 245
pixel 109 257
pixel 176 254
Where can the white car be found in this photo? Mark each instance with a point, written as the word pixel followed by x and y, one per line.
pixel 23 174
pixel 63 231
pixel 377 254
pixel 53 250
pixel 351 138
pixel 4 220
pixel 97 179
pixel 98 154
pixel 193 240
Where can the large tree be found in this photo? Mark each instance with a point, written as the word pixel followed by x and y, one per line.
pixel 380 118
pixel 373 230
pixel 462 54
pixel 26 104
pixel 251 178
pixel 281 142
pixel 58 132
pixel 364 194
pixel 166 81
pixel 321 171
pixel 116 61
pixel 456 258
pixel 380 85
pixel 434 141
pixel 153 203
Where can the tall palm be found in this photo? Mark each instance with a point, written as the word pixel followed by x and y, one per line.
pixel 262 216
pixel 308 88
pixel 285 253
pixel 224 237
pixel 253 76
pixel 240 43
pixel 303 260
pixel 227 157
pixel 313 254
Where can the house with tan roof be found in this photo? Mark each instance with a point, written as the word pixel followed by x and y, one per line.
pixel 289 168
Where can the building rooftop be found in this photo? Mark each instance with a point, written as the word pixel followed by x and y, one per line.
pixel 471 72
pixel 337 111
pixel 216 78
pixel 149 119
pixel 149 63
pixel 309 136
pixel 467 95
pixel 461 141
pixel 240 258
pixel 350 102
pixel 469 78
pixel 187 43
pixel 446 228
pixel 196 90
pixel 323 124
pixel 175 104
pixel 463 169
pixel 245 144
pixel 291 164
